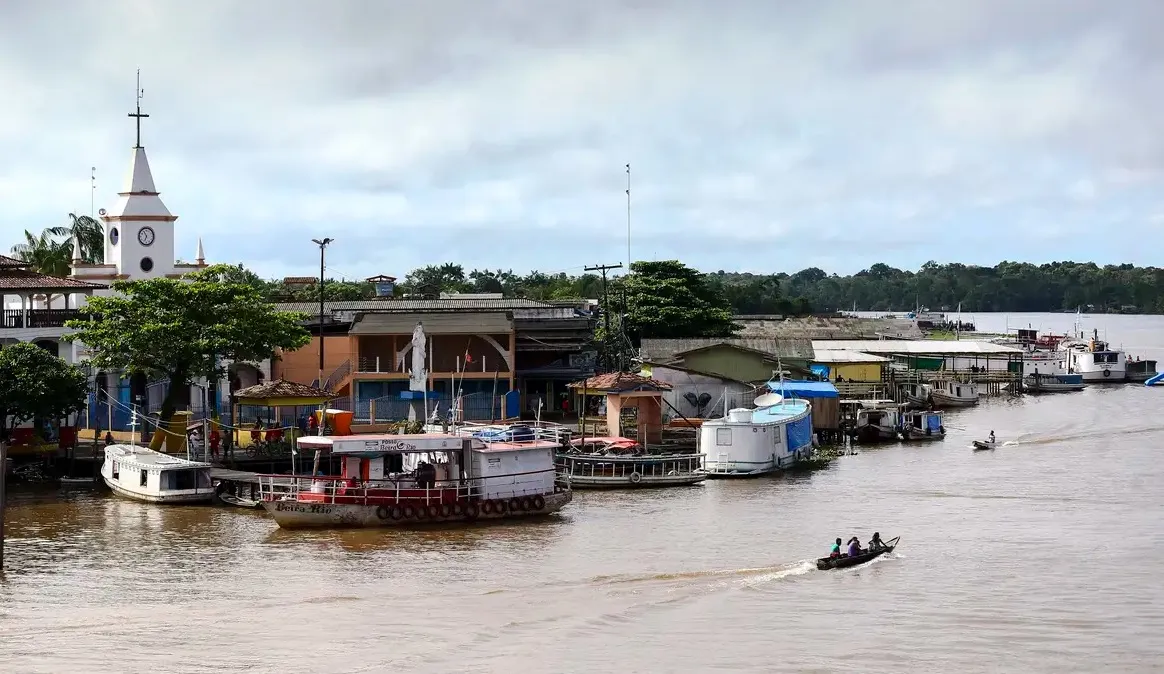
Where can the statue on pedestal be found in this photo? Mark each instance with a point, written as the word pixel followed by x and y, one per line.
pixel 418 375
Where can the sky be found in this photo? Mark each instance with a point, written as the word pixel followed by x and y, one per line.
pixel 763 136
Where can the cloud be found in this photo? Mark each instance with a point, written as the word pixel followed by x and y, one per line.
pixel 763 136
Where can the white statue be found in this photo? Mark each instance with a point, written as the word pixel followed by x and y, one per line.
pixel 418 380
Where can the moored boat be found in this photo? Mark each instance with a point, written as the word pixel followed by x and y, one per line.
pixel 749 442
pixel 980 445
pixel 917 396
pixel 877 421
pixel 950 393
pixel 143 474
pixel 1139 370
pixel 1053 383
pixel 402 480
pixel 614 463
pixel 926 425
pixel 866 555
pixel 1096 361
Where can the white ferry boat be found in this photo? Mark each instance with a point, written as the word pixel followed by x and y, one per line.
pixel 949 393
pixel 1096 361
pixel 143 474
pixel 748 442
pixel 402 480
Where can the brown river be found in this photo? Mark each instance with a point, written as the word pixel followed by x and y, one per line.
pixel 1045 555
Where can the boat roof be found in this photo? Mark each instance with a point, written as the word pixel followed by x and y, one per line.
pixel 381 444
pixel 144 456
pixel 804 389
pixel 608 439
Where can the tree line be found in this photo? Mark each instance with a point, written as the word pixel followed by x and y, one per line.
pixel 1007 286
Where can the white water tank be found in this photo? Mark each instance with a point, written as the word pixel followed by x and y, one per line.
pixel 740 415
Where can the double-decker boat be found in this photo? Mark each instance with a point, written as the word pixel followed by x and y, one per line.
pixel 401 480
pixel 615 463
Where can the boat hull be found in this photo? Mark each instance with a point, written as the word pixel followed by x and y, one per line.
pixel 290 514
pixel 174 499
pixel 942 400
pixel 918 435
pixel 980 446
pixel 828 563
pixel 875 434
pixel 625 483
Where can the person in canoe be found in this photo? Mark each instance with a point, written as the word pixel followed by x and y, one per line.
pixel 854 546
pixel 875 543
pixel 991 438
pixel 836 551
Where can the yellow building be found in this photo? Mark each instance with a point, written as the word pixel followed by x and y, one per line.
pixel 845 365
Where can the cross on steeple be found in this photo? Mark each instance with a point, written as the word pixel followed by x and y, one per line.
pixel 139 114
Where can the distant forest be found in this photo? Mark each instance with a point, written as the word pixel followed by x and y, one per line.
pixel 1007 286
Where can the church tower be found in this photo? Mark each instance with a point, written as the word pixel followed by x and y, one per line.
pixel 139 229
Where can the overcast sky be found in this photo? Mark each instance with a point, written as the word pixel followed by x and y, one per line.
pixel 763 136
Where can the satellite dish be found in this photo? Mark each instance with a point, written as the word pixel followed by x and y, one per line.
pixel 101 211
pixel 768 400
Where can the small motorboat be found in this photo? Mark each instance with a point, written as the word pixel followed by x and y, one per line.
pixel 844 561
pixel 78 481
pixel 238 501
pixel 980 445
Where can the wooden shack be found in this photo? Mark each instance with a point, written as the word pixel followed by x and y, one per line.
pixel 821 395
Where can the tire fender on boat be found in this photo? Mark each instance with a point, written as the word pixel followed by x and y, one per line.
pixel 396 512
pixel 487 507
pixel 539 502
pixel 458 508
pixel 515 505
pixel 1107 373
pixel 472 511
pixel 636 477
pixel 446 510
pixel 421 513
pixel 433 511
pixel 526 503
pixel 383 512
pixel 499 507
pixel 409 512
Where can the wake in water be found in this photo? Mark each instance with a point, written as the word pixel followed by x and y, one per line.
pixel 1036 439
pixel 768 572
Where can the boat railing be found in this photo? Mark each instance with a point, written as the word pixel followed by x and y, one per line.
pixel 329 489
pixel 583 465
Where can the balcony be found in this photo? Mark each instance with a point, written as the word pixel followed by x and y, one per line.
pixel 37 318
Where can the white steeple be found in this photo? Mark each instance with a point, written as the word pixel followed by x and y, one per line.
pixel 76 249
pixel 200 256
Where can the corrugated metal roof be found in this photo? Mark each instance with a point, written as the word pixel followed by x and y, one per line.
pixel 434 324
pixel 665 349
pixel 918 347
pixel 394 305
pixel 843 356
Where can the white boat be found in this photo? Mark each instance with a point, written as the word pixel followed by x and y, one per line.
pixel 950 393
pixel 877 421
pixel 980 445
pixel 616 463
pixel 771 437
pixel 1139 370
pixel 917 395
pixel 1053 383
pixel 143 474
pixel 406 480
pixel 922 426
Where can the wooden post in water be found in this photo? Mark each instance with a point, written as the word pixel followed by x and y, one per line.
pixel 3 497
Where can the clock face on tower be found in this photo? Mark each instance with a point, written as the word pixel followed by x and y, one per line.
pixel 145 236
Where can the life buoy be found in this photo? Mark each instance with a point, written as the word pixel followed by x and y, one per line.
pixel 458 508
pixel 383 512
pixel 434 511
pixel 396 512
pixel 1107 373
pixel 539 502
pixel 446 510
pixel 472 511
pixel 487 507
pixel 526 503
pixel 636 477
pixel 515 504
pixel 409 512
pixel 499 507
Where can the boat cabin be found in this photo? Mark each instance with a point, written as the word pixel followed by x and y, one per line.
pixel 922 422
pixel 144 474
pixel 605 445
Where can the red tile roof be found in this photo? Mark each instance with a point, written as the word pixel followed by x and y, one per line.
pixel 622 381
pixel 12 263
pixel 281 388
pixel 25 279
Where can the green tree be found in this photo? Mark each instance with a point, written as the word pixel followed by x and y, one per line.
pixel 35 384
pixel 45 253
pixel 670 299
pixel 89 233
pixel 181 331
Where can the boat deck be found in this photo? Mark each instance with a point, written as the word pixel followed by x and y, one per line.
pixel 228 475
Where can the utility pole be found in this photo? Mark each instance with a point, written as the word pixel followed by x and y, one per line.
pixel 3 477
pixel 603 268
pixel 322 245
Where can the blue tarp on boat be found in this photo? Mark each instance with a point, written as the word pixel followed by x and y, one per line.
pixel 804 389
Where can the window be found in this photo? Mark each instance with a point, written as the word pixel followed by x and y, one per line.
pixel 116 468
pixel 147 265
pixel 723 437
pixel 144 477
pixel 184 479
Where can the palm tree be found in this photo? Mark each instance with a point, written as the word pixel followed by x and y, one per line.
pixel 89 233
pixel 45 253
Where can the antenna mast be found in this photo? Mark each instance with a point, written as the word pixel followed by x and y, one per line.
pixel 92 188
pixel 628 217
pixel 139 113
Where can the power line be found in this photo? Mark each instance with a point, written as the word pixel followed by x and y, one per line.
pixel 603 268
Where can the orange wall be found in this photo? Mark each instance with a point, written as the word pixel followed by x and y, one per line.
pixel 302 366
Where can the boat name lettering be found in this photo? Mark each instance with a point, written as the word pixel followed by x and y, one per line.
pixel 315 508
pixel 398 445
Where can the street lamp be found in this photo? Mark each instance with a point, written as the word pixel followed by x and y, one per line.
pixel 322 245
